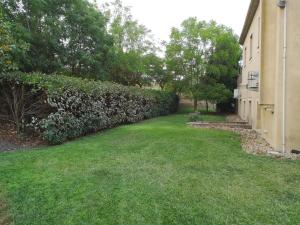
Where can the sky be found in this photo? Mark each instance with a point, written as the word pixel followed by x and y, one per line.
pixel 161 15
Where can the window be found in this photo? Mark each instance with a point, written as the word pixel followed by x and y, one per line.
pixel 258 34
pixel 251 46
pixel 245 57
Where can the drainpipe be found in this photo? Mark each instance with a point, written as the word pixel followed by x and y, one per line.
pixel 283 4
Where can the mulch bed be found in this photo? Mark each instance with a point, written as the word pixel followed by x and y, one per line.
pixel 10 140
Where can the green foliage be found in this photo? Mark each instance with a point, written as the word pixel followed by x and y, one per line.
pixel 129 69
pixel 187 54
pixel 82 106
pixel 156 69
pixel 132 43
pixel 127 33
pixel 195 117
pixel 160 172
pixel 63 35
pixel 9 46
pixel 224 57
pixel 75 38
pixel 203 60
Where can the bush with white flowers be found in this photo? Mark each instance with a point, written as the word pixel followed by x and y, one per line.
pixel 79 106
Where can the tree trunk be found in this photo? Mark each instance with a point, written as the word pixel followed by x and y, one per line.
pixel 206 102
pixel 195 105
pixel 162 87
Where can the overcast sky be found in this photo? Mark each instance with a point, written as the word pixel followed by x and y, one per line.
pixel 160 15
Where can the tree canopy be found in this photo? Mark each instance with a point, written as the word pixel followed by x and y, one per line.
pixel 132 43
pixel 63 35
pixel 203 60
pixel 79 38
pixel 9 46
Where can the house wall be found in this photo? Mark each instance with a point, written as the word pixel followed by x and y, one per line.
pixel 266 113
pixel 292 103
pixel 249 98
pixel 293 75
pixel 269 72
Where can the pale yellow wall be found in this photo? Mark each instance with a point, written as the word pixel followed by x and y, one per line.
pixel 292 78
pixel 268 74
pixel 293 75
pixel 249 98
pixel 268 60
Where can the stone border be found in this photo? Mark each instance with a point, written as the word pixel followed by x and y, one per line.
pixel 252 141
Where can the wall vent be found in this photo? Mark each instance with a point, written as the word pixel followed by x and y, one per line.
pixel 253 80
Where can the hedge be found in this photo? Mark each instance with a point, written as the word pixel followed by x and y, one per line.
pixel 73 107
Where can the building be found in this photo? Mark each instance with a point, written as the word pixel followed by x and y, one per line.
pixel 268 91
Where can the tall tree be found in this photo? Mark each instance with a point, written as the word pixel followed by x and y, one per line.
pixel 223 63
pixel 63 35
pixel 187 55
pixel 9 46
pixel 197 57
pixel 155 67
pixel 132 42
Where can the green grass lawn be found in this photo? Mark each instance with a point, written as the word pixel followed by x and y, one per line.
pixel 156 172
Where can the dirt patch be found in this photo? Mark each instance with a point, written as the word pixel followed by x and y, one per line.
pixel 9 140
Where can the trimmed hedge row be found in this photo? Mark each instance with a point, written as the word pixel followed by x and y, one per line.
pixel 80 106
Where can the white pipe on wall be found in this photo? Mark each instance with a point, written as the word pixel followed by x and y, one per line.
pixel 284 77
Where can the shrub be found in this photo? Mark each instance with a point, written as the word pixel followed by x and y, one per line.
pixel 195 117
pixel 74 107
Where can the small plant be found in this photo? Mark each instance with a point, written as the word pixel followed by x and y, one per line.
pixel 195 117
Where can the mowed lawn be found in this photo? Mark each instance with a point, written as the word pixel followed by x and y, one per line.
pixel 156 172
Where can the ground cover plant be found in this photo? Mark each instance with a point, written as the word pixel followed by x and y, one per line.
pixel 60 108
pixel 159 171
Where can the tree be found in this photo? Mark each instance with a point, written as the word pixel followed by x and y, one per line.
pixel 155 67
pixel 63 35
pixel 132 42
pixel 223 64
pixel 198 56
pixel 9 46
pixel 129 69
pixel 187 55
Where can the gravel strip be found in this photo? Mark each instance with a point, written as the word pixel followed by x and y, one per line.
pixel 251 141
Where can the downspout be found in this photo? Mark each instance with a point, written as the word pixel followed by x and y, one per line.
pixel 283 4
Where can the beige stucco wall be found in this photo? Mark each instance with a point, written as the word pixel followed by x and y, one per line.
pixel 293 75
pixel 266 112
pixel 292 101
pixel 268 71
pixel 249 99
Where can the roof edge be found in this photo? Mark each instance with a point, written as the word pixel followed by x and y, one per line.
pixel 250 15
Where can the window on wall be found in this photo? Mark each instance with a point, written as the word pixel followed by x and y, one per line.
pixel 245 57
pixel 258 33
pixel 251 46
